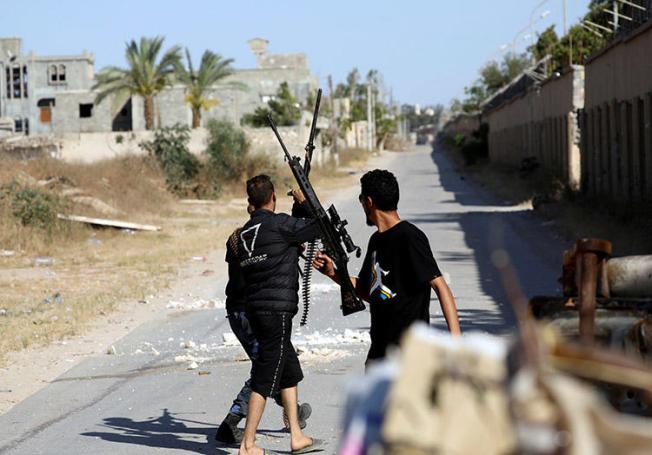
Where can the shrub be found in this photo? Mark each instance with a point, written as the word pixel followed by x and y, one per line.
pixel 283 108
pixel 170 147
pixel 475 148
pixel 32 207
pixel 227 150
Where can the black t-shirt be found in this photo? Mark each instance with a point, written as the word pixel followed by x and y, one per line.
pixel 396 275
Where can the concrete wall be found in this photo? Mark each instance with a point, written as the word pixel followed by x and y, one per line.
pixel 541 123
pixel 617 121
pixel 90 147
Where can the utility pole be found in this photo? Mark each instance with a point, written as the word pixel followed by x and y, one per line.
pixel 334 129
pixel 565 17
pixel 369 119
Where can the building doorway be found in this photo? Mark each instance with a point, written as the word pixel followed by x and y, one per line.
pixel 45 106
pixel 123 119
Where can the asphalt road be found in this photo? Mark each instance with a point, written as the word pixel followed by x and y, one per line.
pixel 143 399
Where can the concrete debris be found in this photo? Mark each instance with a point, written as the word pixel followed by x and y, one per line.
pixel 193 366
pixel 7 253
pixel 190 358
pixel 321 354
pixel 70 192
pixel 3 312
pixel 230 339
pixel 109 223
pixel 333 338
pixel 111 350
pixel 198 258
pixel 198 304
pixel 44 261
pixel 188 344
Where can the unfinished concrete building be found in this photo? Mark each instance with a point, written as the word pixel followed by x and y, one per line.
pixel 52 95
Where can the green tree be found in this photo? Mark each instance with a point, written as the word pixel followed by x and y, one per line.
pixel 578 44
pixel 283 108
pixel 546 44
pixel 145 76
pixel 212 69
pixel 170 148
pixel 493 77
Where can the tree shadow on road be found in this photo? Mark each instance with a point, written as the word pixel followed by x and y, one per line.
pixel 167 431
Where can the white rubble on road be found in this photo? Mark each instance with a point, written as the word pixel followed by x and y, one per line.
pixel 332 337
pixel 196 304
pixel 313 355
pixel 230 339
pixel 188 344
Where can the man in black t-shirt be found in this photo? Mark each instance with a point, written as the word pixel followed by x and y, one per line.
pixel 398 271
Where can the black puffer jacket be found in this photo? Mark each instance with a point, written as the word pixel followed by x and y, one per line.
pixel 268 249
pixel 235 287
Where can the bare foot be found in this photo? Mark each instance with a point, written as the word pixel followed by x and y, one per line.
pixel 300 442
pixel 252 450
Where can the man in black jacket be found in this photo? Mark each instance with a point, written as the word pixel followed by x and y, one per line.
pixel 228 431
pixel 268 249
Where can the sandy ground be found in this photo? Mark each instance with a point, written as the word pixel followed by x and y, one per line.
pixel 29 370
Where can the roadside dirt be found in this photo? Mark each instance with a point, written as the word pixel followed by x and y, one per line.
pixel 131 278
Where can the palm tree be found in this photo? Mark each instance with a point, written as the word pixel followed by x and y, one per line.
pixel 145 76
pixel 211 69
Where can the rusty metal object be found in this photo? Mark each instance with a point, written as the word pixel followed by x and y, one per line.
pixel 591 255
pixel 630 276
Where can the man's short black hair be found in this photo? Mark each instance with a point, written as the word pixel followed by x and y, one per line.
pixel 382 187
pixel 259 190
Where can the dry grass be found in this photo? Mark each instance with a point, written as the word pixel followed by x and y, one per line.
pixel 626 226
pixel 95 269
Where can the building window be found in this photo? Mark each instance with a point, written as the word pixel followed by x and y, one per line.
pixel 17 81
pixel 86 110
pixel 57 74
pixel 24 81
pixel 21 125
pixel 53 74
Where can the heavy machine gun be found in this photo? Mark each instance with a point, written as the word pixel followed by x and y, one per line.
pixel 337 242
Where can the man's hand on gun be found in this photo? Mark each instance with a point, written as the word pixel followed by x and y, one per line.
pixel 324 264
pixel 298 196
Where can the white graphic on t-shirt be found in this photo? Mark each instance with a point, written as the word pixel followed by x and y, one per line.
pixel 377 274
pixel 250 247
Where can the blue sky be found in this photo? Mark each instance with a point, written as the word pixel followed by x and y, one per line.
pixel 427 50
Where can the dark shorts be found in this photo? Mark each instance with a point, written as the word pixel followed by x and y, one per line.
pixel 276 366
